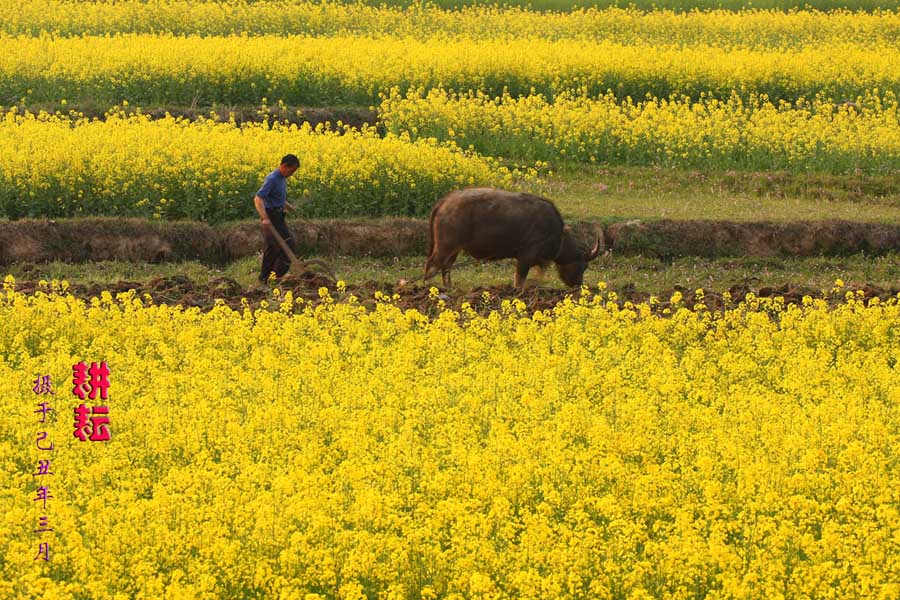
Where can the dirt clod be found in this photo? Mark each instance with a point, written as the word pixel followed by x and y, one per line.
pixel 181 290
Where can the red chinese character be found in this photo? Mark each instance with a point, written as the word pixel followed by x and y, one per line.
pixel 99 380
pixel 98 430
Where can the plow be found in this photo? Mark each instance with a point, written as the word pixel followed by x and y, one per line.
pixel 300 267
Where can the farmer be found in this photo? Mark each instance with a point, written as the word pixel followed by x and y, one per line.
pixel 271 202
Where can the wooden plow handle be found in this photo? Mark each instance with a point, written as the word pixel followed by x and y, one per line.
pixel 295 261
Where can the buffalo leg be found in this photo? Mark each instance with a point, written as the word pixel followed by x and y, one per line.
pixel 445 270
pixel 521 274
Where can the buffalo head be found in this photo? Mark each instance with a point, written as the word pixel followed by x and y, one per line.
pixel 571 262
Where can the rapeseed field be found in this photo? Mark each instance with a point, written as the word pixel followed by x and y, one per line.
pixel 598 450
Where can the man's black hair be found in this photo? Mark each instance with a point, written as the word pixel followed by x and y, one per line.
pixel 290 161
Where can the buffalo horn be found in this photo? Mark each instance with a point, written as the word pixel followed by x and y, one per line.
pixel 595 251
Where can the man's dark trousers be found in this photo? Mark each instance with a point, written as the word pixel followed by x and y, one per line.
pixel 274 258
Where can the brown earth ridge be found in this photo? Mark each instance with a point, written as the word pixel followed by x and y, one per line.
pixel 351 116
pixel 139 240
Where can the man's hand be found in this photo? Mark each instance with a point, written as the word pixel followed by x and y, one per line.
pixel 266 222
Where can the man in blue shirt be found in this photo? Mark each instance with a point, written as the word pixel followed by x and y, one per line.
pixel 271 202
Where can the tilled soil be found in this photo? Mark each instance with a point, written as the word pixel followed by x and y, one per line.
pixel 180 290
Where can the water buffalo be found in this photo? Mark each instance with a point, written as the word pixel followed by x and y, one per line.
pixel 492 224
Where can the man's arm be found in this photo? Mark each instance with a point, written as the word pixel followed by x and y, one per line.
pixel 259 200
pixel 260 205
